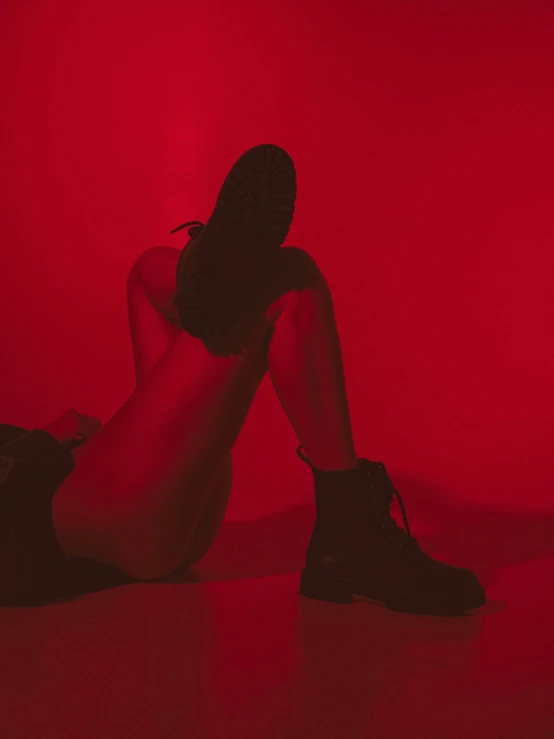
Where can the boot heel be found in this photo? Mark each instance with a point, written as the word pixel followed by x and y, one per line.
pixel 321 587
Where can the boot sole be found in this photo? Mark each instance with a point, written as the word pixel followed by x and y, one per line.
pixel 336 590
pixel 250 222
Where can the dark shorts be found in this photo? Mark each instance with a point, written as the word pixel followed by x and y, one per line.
pixel 33 568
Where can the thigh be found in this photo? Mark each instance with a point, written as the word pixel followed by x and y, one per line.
pixel 153 319
pixel 154 326
pixel 212 519
pixel 142 482
pixel 136 497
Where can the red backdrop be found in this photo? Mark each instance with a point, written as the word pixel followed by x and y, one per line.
pixel 422 136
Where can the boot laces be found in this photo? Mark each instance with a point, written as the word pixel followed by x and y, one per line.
pixel 383 494
pixel 196 228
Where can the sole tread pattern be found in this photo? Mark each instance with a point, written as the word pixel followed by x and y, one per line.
pixel 250 222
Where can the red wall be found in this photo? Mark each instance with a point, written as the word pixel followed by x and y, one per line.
pixel 423 144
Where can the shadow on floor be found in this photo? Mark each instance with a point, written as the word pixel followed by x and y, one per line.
pixel 483 539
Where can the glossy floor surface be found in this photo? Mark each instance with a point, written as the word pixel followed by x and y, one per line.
pixel 231 649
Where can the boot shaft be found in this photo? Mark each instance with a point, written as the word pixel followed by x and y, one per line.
pixel 346 518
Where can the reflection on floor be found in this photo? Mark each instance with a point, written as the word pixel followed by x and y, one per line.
pixel 231 649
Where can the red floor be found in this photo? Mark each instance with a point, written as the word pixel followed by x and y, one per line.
pixel 234 651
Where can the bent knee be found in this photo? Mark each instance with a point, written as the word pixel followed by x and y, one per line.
pixel 155 268
pixel 155 271
pixel 297 270
pixel 291 274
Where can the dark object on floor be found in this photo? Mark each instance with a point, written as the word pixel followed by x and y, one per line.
pixel 357 548
pixel 33 568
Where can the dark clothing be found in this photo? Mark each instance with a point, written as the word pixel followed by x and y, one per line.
pixel 33 567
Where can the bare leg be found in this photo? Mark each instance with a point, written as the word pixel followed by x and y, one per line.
pixel 152 317
pixel 154 326
pixel 143 481
pixel 306 369
pixel 305 365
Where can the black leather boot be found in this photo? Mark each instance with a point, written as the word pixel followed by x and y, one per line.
pixel 220 266
pixel 357 548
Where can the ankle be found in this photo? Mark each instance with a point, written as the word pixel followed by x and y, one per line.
pixel 327 464
pixel 330 463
